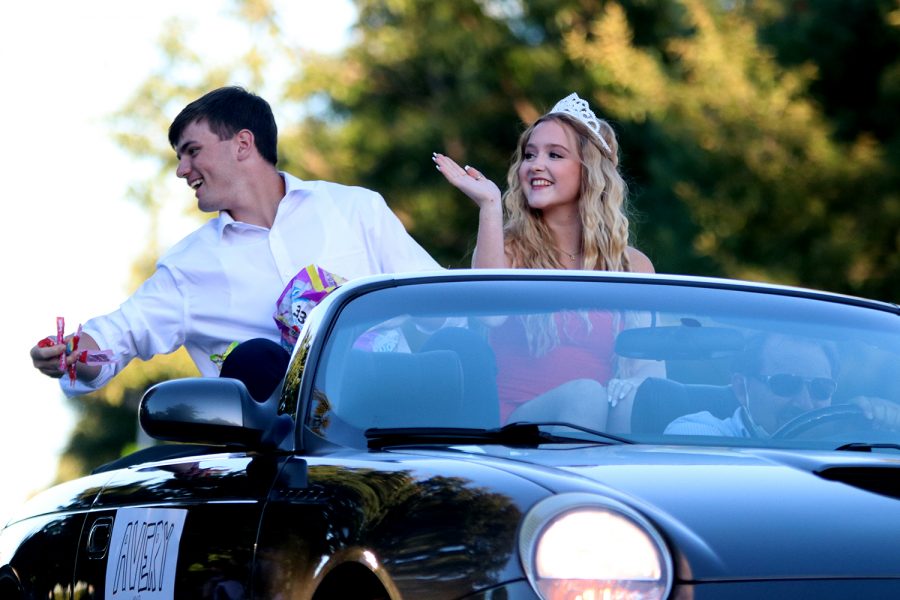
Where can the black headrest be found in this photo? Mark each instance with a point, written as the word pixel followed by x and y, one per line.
pixel 658 402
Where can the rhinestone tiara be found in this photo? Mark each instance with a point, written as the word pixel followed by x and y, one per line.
pixel 574 106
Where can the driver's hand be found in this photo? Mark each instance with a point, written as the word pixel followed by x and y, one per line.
pixel 884 413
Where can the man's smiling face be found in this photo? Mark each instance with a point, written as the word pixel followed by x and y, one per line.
pixel 207 164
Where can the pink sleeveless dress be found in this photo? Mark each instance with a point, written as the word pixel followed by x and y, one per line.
pixel 584 351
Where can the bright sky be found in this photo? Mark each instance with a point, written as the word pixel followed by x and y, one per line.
pixel 65 67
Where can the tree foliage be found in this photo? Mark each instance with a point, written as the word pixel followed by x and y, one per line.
pixel 746 148
pixel 759 137
pixel 736 164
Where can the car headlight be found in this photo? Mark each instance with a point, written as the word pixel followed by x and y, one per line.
pixel 587 547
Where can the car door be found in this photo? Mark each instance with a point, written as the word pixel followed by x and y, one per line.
pixel 183 528
pixel 39 552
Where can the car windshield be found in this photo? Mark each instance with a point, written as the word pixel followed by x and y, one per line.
pixel 653 362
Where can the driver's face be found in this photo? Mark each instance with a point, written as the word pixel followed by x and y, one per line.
pixel 775 399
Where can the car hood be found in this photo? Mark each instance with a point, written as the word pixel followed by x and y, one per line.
pixel 743 513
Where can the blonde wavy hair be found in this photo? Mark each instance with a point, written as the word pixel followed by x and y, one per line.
pixel 602 206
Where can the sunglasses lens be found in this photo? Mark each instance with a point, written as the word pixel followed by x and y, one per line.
pixel 821 388
pixel 785 385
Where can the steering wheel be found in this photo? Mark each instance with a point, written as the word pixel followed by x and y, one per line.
pixel 850 415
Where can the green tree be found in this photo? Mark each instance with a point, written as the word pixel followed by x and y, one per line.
pixel 424 76
pixel 740 141
pixel 737 169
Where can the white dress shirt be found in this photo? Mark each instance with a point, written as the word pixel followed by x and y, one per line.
pixel 220 284
pixel 705 423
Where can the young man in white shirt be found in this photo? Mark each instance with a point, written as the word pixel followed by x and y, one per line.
pixel 220 284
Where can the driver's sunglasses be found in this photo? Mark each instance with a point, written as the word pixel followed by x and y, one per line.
pixel 786 385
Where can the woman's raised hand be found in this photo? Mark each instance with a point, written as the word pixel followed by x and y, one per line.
pixel 469 181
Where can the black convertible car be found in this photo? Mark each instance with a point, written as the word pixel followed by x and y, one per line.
pixel 503 435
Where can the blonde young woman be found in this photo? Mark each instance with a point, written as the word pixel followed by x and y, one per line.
pixel 565 206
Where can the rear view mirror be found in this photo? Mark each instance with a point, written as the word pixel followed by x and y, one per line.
pixel 684 342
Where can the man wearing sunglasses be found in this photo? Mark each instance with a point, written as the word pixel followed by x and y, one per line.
pixel 776 379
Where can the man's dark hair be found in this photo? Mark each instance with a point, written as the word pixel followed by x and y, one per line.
pixel 227 110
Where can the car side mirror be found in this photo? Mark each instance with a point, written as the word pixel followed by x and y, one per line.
pixel 212 410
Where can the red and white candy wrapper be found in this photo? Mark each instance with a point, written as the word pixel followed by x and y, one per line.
pixel 97 357
pixel 88 357
pixel 61 339
pixel 305 290
pixel 72 346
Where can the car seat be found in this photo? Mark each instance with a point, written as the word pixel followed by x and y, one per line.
pixel 430 388
pixel 658 402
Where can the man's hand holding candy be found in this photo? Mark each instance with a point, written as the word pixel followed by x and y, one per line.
pixel 45 356
pixel 77 354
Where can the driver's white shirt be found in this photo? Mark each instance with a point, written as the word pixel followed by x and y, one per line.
pixel 705 423
pixel 220 284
